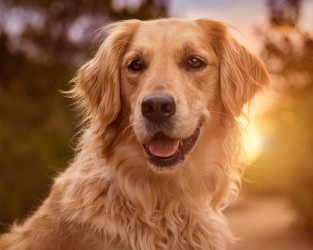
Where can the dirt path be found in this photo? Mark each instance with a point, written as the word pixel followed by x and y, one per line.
pixel 266 223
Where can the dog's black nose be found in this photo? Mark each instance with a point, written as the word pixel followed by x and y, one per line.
pixel 158 107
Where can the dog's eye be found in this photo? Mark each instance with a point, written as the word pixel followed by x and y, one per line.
pixel 136 66
pixel 195 63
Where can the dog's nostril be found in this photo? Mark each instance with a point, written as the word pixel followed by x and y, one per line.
pixel 158 107
pixel 147 107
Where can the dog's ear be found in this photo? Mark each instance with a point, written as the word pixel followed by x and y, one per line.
pixel 242 74
pixel 97 84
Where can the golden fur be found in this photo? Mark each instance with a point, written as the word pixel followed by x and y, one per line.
pixel 110 197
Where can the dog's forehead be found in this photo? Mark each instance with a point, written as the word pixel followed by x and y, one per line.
pixel 174 32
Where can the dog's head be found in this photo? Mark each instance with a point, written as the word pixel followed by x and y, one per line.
pixel 171 80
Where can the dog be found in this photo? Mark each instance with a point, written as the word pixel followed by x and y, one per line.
pixel 159 156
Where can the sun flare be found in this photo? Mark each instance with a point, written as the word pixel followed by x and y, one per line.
pixel 252 142
pixel 253 136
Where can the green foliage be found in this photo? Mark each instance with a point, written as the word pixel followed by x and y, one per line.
pixel 35 129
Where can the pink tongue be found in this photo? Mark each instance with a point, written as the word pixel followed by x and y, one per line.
pixel 163 147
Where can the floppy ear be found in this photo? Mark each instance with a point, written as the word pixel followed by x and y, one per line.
pixel 242 74
pixel 97 84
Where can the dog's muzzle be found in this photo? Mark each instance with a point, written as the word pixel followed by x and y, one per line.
pixel 164 151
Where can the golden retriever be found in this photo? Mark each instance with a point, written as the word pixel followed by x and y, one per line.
pixel 159 157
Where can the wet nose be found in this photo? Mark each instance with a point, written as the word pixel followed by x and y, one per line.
pixel 158 107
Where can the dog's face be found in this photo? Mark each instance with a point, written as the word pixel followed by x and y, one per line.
pixel 167 77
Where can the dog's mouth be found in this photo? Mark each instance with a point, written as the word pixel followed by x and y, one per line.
pixel 166 152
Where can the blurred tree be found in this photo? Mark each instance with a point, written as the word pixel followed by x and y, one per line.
pixel 284 12
pixel 58 31
pixel 41 45
pixel 286 165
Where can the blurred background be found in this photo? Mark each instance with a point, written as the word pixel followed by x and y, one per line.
pixel 43 43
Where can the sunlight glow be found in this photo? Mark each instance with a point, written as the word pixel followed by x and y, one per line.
pixel 254 137
pixel 253 142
